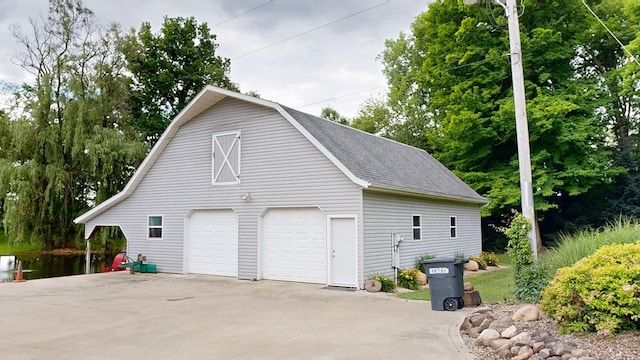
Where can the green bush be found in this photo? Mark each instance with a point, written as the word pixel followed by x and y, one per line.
pixel 529 276
pixel 408 278
pixel 599 293
pixel 490 258
pixel 482 264
pixel 421 258
pixel 387 284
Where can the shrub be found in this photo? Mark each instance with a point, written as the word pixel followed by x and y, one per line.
pixel 408 278
pixel 482 264
pixel 387 284
pixel 421 258
pixel 490 258
pixel 598 293
pixel 529 276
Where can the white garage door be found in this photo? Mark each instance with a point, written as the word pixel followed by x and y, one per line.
pixel 294 245
pixel 213 243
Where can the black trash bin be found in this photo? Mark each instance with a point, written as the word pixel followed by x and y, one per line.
pixel 446 282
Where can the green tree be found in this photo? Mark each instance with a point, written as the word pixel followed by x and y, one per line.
pixel 450 80
pixel 373 117
pixel 169 68
pixel 332 114
pixel 73 147
pixel 602 61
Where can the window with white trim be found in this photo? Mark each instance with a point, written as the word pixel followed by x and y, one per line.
pixel 417 227
pixel 225 164
pixel 453 226
pixel 155 227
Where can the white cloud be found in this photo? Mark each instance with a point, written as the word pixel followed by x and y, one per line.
pixel 331 62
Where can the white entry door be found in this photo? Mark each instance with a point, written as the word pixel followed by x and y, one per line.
pixel 213 243
pixel 343 248
pixel 294 245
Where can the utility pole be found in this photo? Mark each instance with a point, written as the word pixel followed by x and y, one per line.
pixel 522 129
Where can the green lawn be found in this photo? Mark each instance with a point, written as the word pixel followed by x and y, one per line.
pixel 6 249
pixel 495 286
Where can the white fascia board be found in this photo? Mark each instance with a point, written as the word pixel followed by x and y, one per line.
pixel 356 180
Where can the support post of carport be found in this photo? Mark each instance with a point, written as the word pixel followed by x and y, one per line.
pixel 88 258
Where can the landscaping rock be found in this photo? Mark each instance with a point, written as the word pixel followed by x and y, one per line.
pixel 471 298
pixel 372 285
pixel 482 310
pixel 537 346
pixel 544 353
pixel 471 266
pixel 526 313
pixel 498 343
pixel 525 352
pixel 485 324
pixel 487 336
pixel 468 286
pixel 515 339
pixel 579 353
pixel 509 332
pixel 477 318
pixel 501 325
pixel 422 278
pixel 523 338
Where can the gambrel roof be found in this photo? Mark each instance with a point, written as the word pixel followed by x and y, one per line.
pixel 386 164
pixel 370 161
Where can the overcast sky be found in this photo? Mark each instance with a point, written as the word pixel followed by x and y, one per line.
pixel 334 65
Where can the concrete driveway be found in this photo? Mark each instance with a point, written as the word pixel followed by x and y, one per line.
pixel 163 316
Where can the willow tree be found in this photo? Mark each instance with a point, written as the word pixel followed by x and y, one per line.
pixel 73 147
pixel 450 83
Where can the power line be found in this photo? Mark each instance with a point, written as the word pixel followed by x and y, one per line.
pixel 311 30
pixel 243 13
pixel 633 58
pixel 340 96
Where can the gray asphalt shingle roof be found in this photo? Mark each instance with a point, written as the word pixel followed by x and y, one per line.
pixel 385 163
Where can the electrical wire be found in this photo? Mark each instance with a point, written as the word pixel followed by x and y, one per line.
pixel 243 13
pixel 340 96
pixel 311 30
pixel 632 57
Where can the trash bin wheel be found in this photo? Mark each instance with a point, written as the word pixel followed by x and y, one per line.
pixel 451 304
pixel 460 303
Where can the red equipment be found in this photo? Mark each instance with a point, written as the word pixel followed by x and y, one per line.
pixel 118 260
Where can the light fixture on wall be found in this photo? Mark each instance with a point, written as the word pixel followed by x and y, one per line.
pixel 245 196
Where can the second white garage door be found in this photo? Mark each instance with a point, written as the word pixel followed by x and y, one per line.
pixel 213 243
pixel 294 245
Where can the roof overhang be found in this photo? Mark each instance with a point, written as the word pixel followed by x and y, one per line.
pixel 427 195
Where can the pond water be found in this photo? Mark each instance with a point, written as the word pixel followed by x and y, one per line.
pixel 38 266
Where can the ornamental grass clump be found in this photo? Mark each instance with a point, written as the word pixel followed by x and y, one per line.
pixel 600 293
pixel 408 278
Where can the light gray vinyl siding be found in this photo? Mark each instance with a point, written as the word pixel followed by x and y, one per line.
pixel 279 167
pixel 385 214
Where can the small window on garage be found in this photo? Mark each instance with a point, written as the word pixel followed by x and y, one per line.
pixel 453 226
pixel 225 167
pixel 417 227
pixel 155 227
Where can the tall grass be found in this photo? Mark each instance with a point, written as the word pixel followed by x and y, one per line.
pixel 574 247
